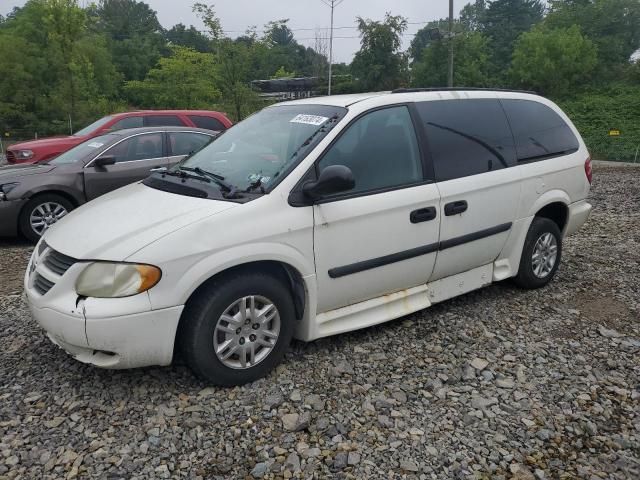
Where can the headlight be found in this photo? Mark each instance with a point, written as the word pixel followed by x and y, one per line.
pixel 113 280
pixel 24 154
pixel 6 188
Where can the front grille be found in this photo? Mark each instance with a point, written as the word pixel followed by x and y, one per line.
pixel 41 284
pixel 58 262
pixel 11 157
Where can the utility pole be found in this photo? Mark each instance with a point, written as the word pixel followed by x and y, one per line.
pixel 331 4
pixel 450 76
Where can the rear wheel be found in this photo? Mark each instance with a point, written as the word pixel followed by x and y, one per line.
pixel 41 212
pixel 540 255
pixel 237 328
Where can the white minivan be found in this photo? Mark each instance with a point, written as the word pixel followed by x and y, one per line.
pixel 313 218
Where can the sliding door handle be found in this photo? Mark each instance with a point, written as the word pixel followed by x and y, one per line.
pixel 423 215
pixel 454 208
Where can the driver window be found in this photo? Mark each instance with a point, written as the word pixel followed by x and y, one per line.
pixel 140 147
pixel 381 149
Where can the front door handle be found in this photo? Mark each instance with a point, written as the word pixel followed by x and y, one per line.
pixel 423 215
pixel 455 208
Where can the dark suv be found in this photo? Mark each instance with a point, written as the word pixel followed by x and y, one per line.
pixel 33 197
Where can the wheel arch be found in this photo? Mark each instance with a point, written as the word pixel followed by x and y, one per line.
pixel 553 205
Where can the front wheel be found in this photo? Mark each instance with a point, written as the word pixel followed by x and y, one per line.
pixel 40 213
pixel 540 255
pixel 237 328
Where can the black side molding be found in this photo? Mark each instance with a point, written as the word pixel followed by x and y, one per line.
pixel 381 261
pixel 357 267
pixel 470 237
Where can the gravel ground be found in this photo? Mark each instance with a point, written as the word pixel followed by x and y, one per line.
pixel 499 383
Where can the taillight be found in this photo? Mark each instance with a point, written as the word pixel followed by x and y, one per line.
pixel 588 170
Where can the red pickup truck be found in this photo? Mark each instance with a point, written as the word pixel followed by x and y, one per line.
pixel 45 149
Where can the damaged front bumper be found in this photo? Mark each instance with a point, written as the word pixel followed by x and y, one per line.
pixel 105 332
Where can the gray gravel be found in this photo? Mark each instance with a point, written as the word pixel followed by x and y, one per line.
pixel 500 383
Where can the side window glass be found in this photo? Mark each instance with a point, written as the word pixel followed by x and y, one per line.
pixel 129 122
pixel 381 150
pixel 163 121
pixel 467 137
pixel 209 123
pixel 184 143
pixel 139 147
pixel 538 130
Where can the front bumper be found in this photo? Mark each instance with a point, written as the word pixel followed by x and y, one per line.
pixel 578 215
pixel 105 332
pixel 9 212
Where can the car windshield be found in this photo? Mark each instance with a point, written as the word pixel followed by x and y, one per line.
pixel 79 152
pixel 262 149
pixel 94 126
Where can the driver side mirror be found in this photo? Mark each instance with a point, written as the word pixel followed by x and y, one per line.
pixel 333 179
pixel 103 161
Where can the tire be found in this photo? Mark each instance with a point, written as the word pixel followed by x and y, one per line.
pixel 52 203
pixel 542 236
pixel 203 329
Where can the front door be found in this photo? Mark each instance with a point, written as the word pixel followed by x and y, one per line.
pixel 382 236
pixel 135 157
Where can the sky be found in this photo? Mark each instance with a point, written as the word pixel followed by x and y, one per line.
pixel 306 16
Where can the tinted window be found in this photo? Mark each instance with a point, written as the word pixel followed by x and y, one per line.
pixel 209 123
pixel 538 130
pixel 163 121
pixel 139 147
pixel 381 150
pixel 129 122
pixel 467 137
pixel 184 143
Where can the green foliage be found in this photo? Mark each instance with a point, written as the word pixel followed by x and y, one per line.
pixel 432 33
pixel 208 16
pixel 188 37
pixel 613 25
pixel 595 112
pixel 471 62
pixel 503 21
pixel 185 80
pixel 553 62
pixel 379 64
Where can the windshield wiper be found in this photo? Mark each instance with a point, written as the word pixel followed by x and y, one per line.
pixel 229 191
pixel 179 173
pixel 254 185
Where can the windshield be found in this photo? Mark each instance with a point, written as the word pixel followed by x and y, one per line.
pixel 262 149
pixel 79 152
pixel 94 126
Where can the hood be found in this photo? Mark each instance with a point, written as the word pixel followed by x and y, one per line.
pixel 118 224
pixel 47 142
pixel 11 172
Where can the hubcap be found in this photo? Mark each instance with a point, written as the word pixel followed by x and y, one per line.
pixel 545 254
pixel 246 332
pixel 45 215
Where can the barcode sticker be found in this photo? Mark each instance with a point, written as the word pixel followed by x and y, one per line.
pixel 309 119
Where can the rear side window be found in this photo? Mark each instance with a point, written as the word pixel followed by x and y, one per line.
pixel 186 143
pixel 163 121
pixel 539 131
pixel 138 147
pixel 129 122
pixel 209 123
pixel 467 137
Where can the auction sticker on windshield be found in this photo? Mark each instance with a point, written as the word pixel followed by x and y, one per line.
pixel 309 119
pixel 95 144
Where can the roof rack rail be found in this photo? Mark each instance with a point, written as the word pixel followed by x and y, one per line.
pixel 458 89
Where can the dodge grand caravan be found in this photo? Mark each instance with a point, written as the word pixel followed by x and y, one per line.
pixel 312 218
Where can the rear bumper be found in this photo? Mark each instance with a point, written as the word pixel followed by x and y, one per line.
pixel 9 211
pixel 578 215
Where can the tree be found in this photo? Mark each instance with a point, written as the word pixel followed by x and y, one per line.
pixel 379 64
pixel 134 32
pixel 185 80
pixel 208 16
pixel 472 66
pixel 432 32
pixel 613 25
pixel 504 21
pixel 553 62
pixel 188 37
pixel 235 64
pixel 472 15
